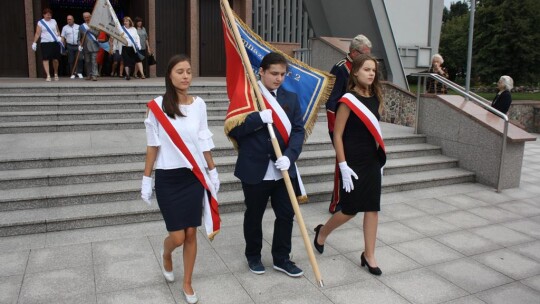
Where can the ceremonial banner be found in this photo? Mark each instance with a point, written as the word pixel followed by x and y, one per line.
pixel 104 19
pixel 312 86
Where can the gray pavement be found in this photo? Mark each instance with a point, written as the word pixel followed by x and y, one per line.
pixel 454 244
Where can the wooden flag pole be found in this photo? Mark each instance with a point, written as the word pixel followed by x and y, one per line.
pixel 275 144
pixel 76 63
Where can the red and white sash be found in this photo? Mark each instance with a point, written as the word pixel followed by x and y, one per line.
pixel 211 217
pixel 283 125
pixel 372 124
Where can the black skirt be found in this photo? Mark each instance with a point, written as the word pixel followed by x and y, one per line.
pixel 50 50
pixel 180 198
pixel 129 56
pixel 366 195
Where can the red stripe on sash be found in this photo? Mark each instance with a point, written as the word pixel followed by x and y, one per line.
pixel 369 124
pixel 278 123
pixel 179 143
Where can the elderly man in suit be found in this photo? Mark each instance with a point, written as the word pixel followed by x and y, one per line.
pixel 259 170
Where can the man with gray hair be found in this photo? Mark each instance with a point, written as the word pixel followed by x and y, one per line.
pixel 89 46
pixel 359 45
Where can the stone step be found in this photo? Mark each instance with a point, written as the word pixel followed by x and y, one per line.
pixel 16 179
pixel 398 147
pixel 108 85
pixel 134 210
pixel 110 95
pixel 89 115
pixel 102 114
pixel 92 124
pixel 78 194
pixel 32 106
pixel 41 220
pixel 112 85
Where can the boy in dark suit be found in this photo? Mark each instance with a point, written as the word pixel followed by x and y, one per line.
pixel 259 170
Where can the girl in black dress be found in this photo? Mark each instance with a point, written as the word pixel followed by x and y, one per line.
pixel 359 161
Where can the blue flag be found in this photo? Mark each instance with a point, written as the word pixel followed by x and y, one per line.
pixel 312 86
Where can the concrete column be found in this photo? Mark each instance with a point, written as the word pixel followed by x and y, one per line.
pixel 194 36
pixel 152 32
pixel 30 28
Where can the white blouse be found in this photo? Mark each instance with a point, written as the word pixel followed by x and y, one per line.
pixel 194 125
pixel 45 35
pixel 133 32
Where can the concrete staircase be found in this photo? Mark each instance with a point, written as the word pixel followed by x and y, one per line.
pixel 59 189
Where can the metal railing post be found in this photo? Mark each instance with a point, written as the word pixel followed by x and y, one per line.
pixel 418 89
pixel 503 153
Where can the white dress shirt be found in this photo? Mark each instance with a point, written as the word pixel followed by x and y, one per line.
pixel 71 33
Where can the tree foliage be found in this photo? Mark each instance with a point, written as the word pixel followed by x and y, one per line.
pixel 453 43
pixel 506 40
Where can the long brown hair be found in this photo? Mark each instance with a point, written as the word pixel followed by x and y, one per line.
pixel 375 88
pixel 170 98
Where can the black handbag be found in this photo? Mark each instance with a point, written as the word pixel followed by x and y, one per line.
pixel 151 59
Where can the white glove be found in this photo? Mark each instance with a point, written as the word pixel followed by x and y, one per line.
pixel 214 178
pixel 346 176
pixel 266 116
pixel 80 48
pixel 146 189
pixel 34 46
pixel 283 163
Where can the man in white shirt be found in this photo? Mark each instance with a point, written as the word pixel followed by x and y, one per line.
pixel 70 38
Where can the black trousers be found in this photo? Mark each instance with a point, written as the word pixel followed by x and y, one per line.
pixel 72 50
pixel 256 199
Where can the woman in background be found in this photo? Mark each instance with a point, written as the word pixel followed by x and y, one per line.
pixel 142 66
pixel 503 99
pixel 129 51
pixel 47 31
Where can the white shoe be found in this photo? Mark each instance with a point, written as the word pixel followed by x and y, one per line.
pixel 191 299
pixel 72 77
pixel 79 75
pixel 169 275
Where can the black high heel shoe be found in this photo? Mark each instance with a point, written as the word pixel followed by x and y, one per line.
pixel 373 270
pixel 320 248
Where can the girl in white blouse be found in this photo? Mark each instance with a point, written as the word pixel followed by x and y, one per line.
pixel 178 191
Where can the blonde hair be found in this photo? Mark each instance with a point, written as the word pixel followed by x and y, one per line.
pixel 128 19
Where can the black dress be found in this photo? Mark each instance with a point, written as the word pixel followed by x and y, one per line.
pixel 361 156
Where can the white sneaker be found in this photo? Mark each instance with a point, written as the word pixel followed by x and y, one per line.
pixel 80 76
pixel 72 77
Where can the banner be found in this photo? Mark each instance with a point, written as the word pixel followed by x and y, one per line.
pixel 104 19
pixel 312 86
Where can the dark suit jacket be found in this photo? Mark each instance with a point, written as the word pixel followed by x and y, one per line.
pixel 502 101
pixel 254 145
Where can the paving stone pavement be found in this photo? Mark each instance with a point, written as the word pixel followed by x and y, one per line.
pixel 453 244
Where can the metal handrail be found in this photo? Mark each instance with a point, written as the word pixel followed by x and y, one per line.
pixel 471 97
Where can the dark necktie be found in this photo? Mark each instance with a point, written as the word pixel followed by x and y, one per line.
pixel 273 93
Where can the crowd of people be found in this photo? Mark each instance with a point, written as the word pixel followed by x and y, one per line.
pixel 91 52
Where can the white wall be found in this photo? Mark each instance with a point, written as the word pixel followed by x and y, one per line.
pixel 410 21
